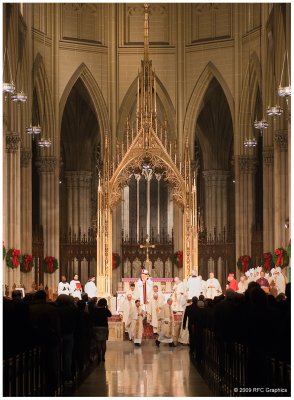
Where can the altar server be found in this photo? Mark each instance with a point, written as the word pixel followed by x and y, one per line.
pixel 63 286
pixel 90 288
pixel 75 287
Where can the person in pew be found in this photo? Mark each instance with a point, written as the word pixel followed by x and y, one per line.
pixel 190 316
pixel 100 315
pixel 138 315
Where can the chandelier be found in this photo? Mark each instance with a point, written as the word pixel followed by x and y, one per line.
pixel 285 91
pixel 250 142
pixel 44 143
pixel 33 129
pixel 262 124
pixel 274 111
pixel 19 97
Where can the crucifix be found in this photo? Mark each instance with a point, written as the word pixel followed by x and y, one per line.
pixel 147 246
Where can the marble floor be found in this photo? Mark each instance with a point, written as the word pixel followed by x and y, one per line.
pixel 145 371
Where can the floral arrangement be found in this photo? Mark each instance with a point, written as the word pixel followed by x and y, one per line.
pixel 26 263
pixel 115 260
pixel 50 264
pixel 244 263
pixel 280 257
pixel 13 258
pixel 178 258
pixel 4 250
pixel 267 262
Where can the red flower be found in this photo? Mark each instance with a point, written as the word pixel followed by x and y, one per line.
pixel 15 255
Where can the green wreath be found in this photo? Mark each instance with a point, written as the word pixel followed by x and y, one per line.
pixel 49 265
pixel 4 252
pixel 13 258
pixel 26 263
pixel 115 260
pixel 280 257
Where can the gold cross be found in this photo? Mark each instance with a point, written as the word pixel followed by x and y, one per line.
pixel 147 248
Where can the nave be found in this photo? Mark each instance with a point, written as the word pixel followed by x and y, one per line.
pixel 144 371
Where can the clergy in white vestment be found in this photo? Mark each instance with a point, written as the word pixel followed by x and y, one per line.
pixel 242 285
pixel 155 291
pixel 280 280
pixel 137 315
pixel 134 291
pixel 194 286
pixel 213 287
pixel 63 286
pixel 127 309
pixel 90 288
pixel 153 308
pixel 178 295
pixel 144 288
pixel 75 287
pixel 166 324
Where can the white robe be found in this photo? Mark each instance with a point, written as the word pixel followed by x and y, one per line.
pixel 127 308
pixel 166 326
pixel 137 316
pixel 280 283
pixel 194 287
pixel 213 288
pixel 91 289
pixel 153 309
pixel 63 288
pixel 73 291
pixel 179 297
pixel 139 287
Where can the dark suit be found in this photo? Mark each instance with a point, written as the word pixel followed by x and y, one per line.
pixel 191 314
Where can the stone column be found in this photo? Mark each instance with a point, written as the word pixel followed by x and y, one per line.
pixel 26 211
pixel 11 203
pixel 216 200
pixel 125 210
pixel 245 204
pixel 268 198
pixel 281 188
pixel 170 212
pixel 49 210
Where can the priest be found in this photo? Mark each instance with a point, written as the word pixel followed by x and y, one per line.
pixel 263 282
pixel 126 310
pixel 232 283
pixel 153 308
pixel 144 288
pixel 242 285
pixel 178 295
pixel 194 286
pixel 213 287
pixel 137 316
pixel 166 326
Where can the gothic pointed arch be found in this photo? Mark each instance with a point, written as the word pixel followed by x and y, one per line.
pixel 196 100
pixel 90 83
pixel 129 103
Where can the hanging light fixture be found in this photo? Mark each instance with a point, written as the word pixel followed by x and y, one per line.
pixel 285 91
pixel 274 111
pixel 250 141
pixel 44 142
pixel 33 129
pixel 261 124
pixel 8 87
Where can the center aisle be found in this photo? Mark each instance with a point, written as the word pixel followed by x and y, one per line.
pixel 144 371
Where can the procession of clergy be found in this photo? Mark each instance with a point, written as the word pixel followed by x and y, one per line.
pixel 145 301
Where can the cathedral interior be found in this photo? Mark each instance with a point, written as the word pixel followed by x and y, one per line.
pixel 221 97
